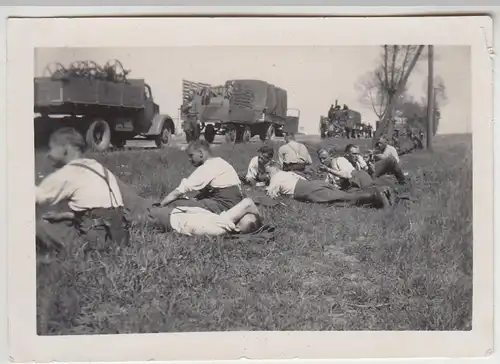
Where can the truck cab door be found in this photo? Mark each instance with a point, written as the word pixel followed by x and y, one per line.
pixel 145 118
pixel 150 108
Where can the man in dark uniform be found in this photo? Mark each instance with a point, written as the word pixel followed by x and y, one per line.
pixel 190 124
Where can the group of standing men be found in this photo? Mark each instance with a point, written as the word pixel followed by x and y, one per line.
pixel 101 208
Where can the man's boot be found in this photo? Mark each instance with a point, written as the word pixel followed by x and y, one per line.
pixel 374 196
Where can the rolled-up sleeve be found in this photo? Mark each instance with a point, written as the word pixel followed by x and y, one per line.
pixel 199 179
pixel 54 188
pixel 343 167
pixel 362 163
pixel 281 155
pixel 273 190
pixel 306 155
pixel 253 169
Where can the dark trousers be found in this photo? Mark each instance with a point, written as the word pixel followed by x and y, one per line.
pixel 96 227
pixel 216 200
pixel 322 192
pixel 388 166
pixel 294 167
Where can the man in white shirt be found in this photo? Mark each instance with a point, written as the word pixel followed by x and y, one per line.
pixel 91 192
pixel 256 173
pixel 293 156
pixel 287 183
pixel 387 162
pixel 345 172
pixel 351 170
pixel 243 218
pixel 215 180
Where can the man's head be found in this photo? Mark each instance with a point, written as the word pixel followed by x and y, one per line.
pixel 65 144
pixel 352 153
pixel 272 168
pixel 382 142
pixel 289 137
pixel 249 223
pixel 266 154
pixel 323 155
pixel 198 152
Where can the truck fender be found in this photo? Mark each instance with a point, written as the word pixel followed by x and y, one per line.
pixel 158 122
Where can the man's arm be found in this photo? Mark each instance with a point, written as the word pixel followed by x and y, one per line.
pixel 198 180
pixel 171 197
pixel 307 155
pixel 281 157
pixel 362 163
pixel 252 171
pixel 55 188
pixel 273 190
pixel 341 168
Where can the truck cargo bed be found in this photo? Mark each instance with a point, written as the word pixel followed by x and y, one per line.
pixel 78 92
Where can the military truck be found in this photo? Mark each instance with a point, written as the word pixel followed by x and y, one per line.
pixel 239 109
pixel 107 111
pixel 338 121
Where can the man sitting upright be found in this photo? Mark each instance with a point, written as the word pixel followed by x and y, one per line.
pixel 293 156
pixel 387 162
pixel 287 183
pixel 215 180
pixel 92 194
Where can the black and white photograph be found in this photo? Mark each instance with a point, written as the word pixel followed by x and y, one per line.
pixel 240 188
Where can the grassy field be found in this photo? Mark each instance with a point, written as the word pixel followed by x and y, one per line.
pixel 409 268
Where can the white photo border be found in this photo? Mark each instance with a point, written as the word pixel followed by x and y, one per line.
pixel 24 35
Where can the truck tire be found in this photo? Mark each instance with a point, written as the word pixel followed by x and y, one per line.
pixel 209 133
pixel 162 139
pixel 231 135
pixel 267 133
pixel 247 135
pixel 98 135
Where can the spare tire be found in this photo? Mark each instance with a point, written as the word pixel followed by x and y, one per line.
pixel 98 136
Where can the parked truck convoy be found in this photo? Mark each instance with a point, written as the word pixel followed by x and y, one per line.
pixel 239 109
pixel 101 103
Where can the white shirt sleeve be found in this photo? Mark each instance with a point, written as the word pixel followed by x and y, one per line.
pixel 274 188
pixel 362 163
pixel 343 167
pixel 55 188
pixel 305 154
pixel 281 155
pixel 390 151
pixel 253 169
pixel 198 180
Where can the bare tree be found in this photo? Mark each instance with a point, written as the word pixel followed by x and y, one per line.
pixel 383 86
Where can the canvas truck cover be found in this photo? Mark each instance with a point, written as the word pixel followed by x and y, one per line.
pixel 251 97
pixel 276 101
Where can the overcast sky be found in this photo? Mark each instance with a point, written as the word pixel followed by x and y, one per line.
pixel 313 76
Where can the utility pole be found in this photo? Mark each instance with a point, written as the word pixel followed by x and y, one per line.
pixel 430 98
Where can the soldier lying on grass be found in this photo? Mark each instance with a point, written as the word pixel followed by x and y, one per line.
pixel 242 218
pixel 352 171
pixel 286 183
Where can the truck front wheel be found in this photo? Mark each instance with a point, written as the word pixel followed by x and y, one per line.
pixel 209 133
pixel 164 137
pixel 98 135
